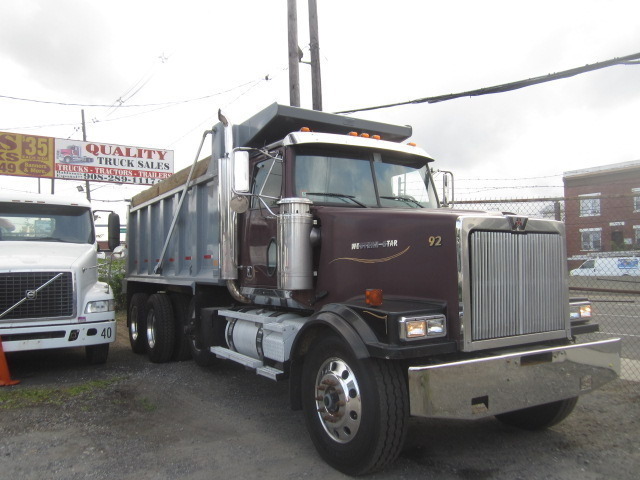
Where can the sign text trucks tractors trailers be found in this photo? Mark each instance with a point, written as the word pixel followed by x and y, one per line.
pixel 50 296
pixel 323 258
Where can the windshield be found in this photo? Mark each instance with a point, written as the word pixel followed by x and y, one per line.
pixel 45 223
pixel 363 179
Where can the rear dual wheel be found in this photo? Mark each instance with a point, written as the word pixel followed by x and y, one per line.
pixel 199 334
pixel 356 410
pixel 160 328
pixel 137 322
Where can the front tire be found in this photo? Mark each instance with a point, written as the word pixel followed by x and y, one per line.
pixel 97 354
pixel 355 409
pixel 160 328
pixel 541 416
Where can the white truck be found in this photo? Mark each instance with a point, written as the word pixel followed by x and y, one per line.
pixel 50 296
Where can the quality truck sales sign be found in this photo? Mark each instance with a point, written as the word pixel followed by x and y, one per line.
pixel 45 157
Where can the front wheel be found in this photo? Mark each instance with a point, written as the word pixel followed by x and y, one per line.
pixel 355 409
pixel 541 416
pixel 97 354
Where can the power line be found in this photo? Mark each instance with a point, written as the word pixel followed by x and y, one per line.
pixel 95 105
pixel 507 87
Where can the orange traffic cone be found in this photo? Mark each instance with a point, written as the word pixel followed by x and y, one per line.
pixel 5 377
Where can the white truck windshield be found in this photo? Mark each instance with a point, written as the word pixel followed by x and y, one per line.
pixel 45 223
pixel 368 180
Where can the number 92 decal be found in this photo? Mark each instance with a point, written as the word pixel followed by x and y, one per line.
pixel 435 241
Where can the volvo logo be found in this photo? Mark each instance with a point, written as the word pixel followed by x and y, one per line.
pixel 31 294
pixel 517 224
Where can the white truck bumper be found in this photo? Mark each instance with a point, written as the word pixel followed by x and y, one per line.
pixel 488 386
pixel 58 336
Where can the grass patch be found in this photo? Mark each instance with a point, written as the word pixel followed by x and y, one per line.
pixel 31 397
pixel 148 405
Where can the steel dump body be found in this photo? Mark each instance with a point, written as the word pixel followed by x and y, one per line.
pixel 193 254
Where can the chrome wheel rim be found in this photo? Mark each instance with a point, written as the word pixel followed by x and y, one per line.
pixel 133 326
pixel 151 331
pixel 338 401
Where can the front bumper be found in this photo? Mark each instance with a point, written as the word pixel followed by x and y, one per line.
pixel 489 386
pixel 58 336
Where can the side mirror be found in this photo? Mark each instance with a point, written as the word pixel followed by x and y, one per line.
pixel 114 230
pixel 240 171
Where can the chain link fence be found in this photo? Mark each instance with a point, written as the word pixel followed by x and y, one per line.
pixel 603 248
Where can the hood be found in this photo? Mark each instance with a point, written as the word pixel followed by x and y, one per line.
pixel 45 255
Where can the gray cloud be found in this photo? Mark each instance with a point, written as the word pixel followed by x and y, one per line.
pixel 62 45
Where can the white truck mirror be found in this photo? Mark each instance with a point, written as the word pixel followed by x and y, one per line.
pixel 241 171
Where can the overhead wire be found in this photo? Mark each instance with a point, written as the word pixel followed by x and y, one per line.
pixel 507 87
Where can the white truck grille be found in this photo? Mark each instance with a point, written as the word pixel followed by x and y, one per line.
pixel 54 300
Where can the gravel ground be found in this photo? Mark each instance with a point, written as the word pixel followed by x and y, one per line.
pixel 134 419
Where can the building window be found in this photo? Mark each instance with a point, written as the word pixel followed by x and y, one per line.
pixel 590 205
pixel 636 235
pixel 636 199
pixel 591 239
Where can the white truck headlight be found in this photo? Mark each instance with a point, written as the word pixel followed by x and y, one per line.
pixel 419 328
pixel 99 306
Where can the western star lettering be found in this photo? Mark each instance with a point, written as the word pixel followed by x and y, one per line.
pixel 368 245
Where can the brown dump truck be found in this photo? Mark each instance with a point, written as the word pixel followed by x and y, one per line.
pixel 312 248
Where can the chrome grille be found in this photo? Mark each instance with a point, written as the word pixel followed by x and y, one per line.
pixel 54 300
pixel 516 284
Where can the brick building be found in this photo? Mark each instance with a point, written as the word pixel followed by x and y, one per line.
pixel 602 210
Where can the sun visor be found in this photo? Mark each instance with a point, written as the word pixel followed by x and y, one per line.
pixel 276 121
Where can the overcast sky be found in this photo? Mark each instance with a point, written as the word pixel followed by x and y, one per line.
pixel 89 52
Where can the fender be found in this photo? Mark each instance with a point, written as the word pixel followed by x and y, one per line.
pixel 341 320
pixel 346 323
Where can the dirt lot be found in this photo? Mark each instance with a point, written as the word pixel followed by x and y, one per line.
pixel 133 419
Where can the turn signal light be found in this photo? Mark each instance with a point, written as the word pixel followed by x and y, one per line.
pixel 373 297
pixel 375 137
pixel 305 129
pixel 353 134
pixel 364 135
pixel 412 144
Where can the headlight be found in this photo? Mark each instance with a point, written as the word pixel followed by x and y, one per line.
pixel 419 328
pixel 99 306
pixel 580 310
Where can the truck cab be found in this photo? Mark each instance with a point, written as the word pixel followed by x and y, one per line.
pixel 50 296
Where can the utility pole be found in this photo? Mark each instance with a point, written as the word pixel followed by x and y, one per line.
pixel 294 59
pixel 84 139
pixel 316 84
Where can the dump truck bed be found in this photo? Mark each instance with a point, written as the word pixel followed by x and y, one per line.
pixel 193 253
